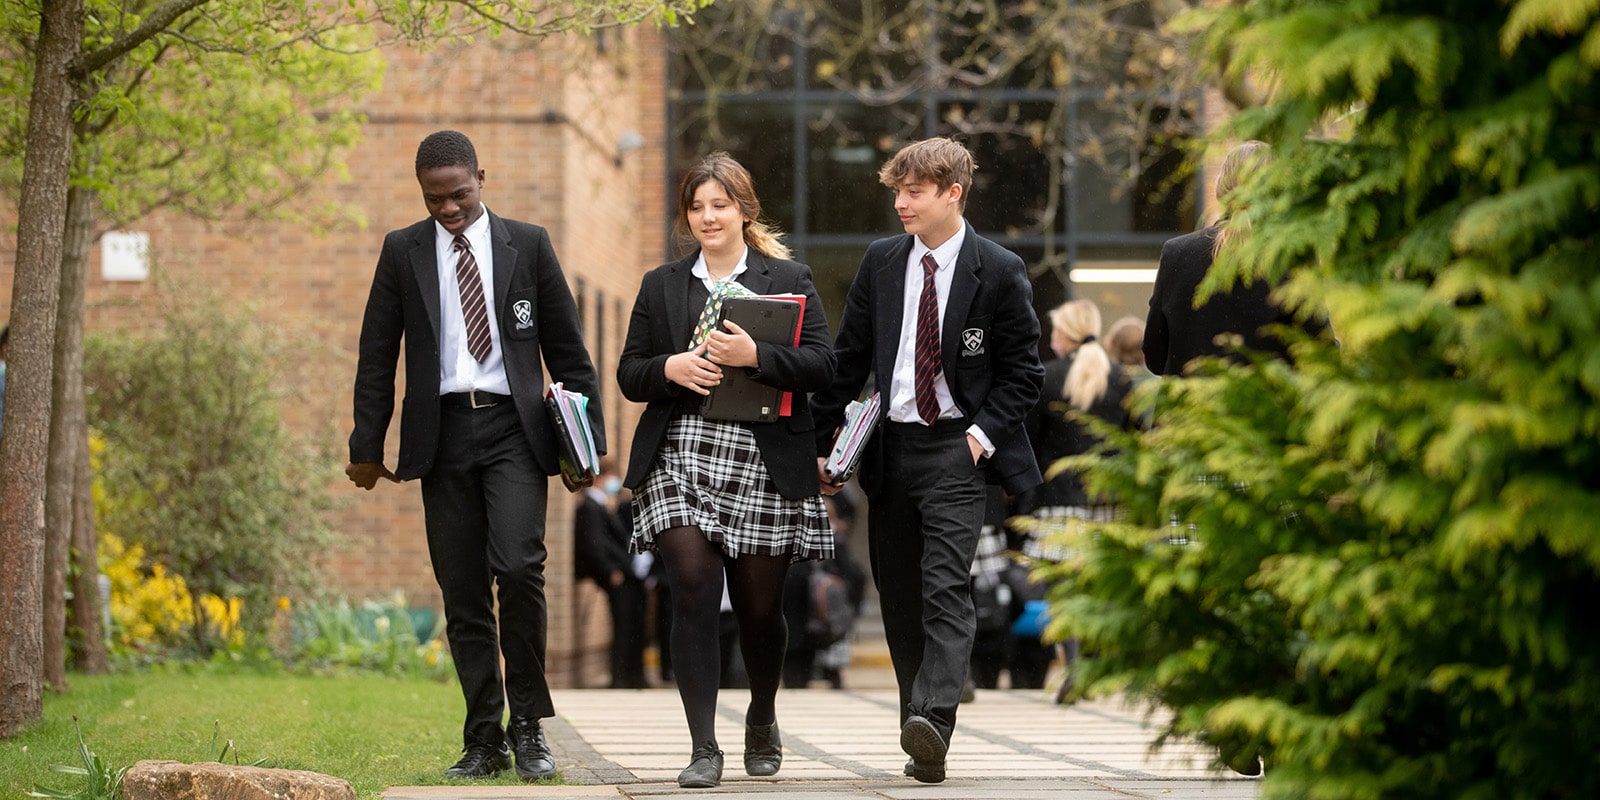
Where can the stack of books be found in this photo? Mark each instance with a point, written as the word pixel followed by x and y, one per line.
pixel 860 420
pixel 569 413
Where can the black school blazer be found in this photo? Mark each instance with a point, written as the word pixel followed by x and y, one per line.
pixel 989 340
pixel 660 327
pixel 1175 332
pixel 538 320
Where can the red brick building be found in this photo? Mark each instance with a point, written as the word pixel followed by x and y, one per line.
pixel 547 119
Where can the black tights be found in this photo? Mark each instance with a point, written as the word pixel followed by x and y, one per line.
pixel 695 568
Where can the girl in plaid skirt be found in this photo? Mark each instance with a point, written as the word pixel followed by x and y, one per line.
pixel 714 497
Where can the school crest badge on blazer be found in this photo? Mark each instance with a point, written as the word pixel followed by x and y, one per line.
pixel 972 342
pixel 523 311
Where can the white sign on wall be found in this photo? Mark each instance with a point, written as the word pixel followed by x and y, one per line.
pixel 125 256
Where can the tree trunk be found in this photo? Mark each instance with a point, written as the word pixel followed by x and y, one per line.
pixel 68 429
pixel 41 218
pixel 90 645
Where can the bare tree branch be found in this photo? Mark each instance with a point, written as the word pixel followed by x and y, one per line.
pixel 153 24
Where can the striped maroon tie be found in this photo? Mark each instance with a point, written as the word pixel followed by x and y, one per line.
pixel 473 310
pixel 928 362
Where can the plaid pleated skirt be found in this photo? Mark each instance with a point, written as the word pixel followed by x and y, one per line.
pixel 710 474
pixel 1061 523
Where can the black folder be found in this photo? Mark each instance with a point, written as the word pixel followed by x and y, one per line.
pixel 739 398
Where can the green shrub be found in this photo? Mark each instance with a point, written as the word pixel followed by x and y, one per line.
pixel 197 466
pixel 1373 568
pixel 377 636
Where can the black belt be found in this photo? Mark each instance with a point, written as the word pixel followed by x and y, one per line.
pixel 476 398
pixel 939 427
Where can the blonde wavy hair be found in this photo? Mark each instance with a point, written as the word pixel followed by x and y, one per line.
pixel 1243 159
pixel 736 181
pixel 1079 321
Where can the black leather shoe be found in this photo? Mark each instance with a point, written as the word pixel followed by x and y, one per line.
pixel 534 761
pixel 927 771
pixel 481 761
pixel 1238 754
pixel 1244 762
pixel 926 747
pixel 763 749
pixel 704 770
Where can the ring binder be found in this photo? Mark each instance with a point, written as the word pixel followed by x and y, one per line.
pixel 767 318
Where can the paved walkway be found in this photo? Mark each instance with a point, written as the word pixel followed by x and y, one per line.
pixel 845 744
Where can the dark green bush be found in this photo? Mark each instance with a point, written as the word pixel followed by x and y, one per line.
pixel 1376 567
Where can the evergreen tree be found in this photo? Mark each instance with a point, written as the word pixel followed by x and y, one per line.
pixel 1372 566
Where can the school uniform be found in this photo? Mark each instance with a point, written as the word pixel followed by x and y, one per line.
pixel 750 487
pixel 925 496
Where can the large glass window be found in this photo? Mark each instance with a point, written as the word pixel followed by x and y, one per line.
pixel 1016 145
pixel 847 143
pixel 1080 141
pixel 759 135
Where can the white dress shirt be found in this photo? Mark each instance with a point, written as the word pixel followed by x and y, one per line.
pixel 902 383
pixel 458 370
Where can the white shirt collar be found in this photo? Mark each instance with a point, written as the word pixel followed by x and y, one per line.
pixel 703 272
pixel 945 254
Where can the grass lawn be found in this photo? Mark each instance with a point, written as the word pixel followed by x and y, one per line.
pixel 371 730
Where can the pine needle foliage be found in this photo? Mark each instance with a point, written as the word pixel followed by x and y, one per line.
pixel 1377 567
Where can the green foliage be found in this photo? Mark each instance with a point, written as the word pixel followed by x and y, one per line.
pixel 100 782
pixel 231 118
pixel 198 468
pixel 379 636
pixel 1374 567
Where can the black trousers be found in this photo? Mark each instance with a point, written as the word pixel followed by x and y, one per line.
pixel 923 535
pixel 484 504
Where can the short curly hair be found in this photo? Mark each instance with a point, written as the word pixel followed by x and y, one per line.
pixel 446 149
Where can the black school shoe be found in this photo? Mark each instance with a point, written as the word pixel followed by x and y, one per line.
pixel 926 747
pixel 481 761
pixel 704 770
pixel 534 761
pixel 763 749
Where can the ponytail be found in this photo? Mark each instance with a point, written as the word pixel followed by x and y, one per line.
pixel 1241 160
pixel 1088 376
pixel 736 181
pixel 1090 373
pixel 763 239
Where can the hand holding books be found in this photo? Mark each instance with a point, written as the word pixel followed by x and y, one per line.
pixel 764 318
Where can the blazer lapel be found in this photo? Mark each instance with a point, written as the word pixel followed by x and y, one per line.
pixel 676 285
pixel 505 263
pixel 757 274
pixel 891 306
pixel 425 267
pixel 964 283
